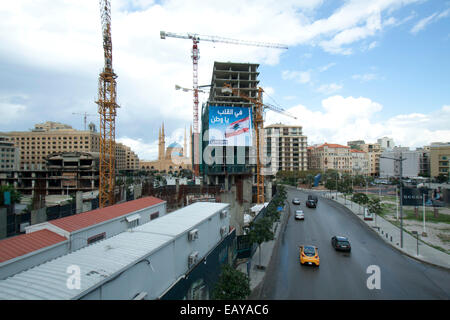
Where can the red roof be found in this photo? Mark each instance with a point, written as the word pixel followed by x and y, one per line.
pixel 333 145
pixel 89 218
pixel 19 245
pixel 359 151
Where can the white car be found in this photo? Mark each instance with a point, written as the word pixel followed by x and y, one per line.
pixel 299 215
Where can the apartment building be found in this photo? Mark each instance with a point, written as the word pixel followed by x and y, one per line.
pixel 360 162
pixel 51 137
pixel 411 166
pixel 9 155
pixel 439 159
pixel 374 151
pixel 285 148
pixel 331 156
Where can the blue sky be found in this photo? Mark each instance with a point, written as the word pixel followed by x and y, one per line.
pixel 354 69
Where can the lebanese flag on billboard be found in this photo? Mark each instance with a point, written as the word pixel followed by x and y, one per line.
pixel 238 127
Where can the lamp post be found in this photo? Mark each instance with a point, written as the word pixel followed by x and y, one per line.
pixel 401 159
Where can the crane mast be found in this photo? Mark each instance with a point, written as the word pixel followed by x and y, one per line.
pixel 107 110
pixel 195 57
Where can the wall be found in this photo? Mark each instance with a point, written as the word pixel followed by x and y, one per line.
pixel 3 213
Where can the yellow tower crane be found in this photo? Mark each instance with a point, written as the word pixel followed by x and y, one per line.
pixel 258 121
pixel 107 110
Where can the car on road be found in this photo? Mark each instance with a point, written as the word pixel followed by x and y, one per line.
pixel 313 197
pixel 311 204
pixel 299 215
pixel 341 243
pixel 309 255
pixel 296 201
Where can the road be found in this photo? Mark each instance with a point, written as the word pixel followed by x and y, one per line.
pixel 344 275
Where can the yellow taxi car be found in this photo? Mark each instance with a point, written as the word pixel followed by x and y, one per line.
pixel 309 255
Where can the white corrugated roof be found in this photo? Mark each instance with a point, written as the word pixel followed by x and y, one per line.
pixel 182 220
pixel 97 262
pixel 104 259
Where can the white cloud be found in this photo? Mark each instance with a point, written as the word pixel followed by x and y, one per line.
pixel 364 77
pixel 326 67
pixel 344 119
pixel 329 88
pixel 299 76
pixel 428 20
pixel 11 113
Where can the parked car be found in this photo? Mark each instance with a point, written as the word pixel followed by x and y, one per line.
pixel 313 197
pixel 341 243
pixel 311 204
pixel 296 201
pixel 299 215
pixel 309 255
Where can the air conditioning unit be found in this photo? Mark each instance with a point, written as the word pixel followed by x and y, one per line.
pixel 223 214
pixel 193 257
pixel 193 235
pixel 23 226
pixel 223 231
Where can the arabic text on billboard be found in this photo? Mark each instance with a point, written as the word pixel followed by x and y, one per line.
pixel 230 126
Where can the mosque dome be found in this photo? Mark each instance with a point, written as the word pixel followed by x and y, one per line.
pixel 174 145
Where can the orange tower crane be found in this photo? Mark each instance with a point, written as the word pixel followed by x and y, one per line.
pixel 195 57
pixel 258 121
pixel 107 110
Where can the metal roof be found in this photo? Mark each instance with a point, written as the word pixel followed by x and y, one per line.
pixel 105 259
pixel 89 218
pixel 17 246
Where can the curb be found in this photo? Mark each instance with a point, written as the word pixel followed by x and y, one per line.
pixel 393 246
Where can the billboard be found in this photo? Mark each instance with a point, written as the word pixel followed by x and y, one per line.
pixel 230 126
pixel 414 196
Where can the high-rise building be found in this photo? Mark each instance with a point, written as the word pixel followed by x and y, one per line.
pixel 331 156
pixel 285 148
pixel 374 152
pixel 51 137
pixel 386 144
pixel 439 159
pixel 9 155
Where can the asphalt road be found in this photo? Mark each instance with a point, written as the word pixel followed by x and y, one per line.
pixel 344 275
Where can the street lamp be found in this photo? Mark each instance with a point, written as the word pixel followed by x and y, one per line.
pixel 401 159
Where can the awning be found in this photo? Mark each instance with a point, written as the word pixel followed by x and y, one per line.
pixel 133 217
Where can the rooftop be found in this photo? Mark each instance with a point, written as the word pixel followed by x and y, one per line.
pixel 89 218
pixel 17 246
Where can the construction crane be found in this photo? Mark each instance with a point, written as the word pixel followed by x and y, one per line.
pixel 258 119
pixel 107 110
pixel 85 115
pixel 195 57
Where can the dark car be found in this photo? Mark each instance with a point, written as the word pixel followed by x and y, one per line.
pixel 341 243
pixel 296 201
pixel 311 197
pixel 311 204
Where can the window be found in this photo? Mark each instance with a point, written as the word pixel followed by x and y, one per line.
pixel 96 238
pixel 154 215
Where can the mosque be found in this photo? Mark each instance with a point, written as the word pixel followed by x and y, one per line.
pixel 174 158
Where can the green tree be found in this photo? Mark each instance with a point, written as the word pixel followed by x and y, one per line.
pixel 261 231
pixel 374 206
pixel 15 195
pixel 441 178
pixel 231 285
pixel 360 198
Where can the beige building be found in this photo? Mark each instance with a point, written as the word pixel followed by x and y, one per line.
pixel 53 137
pixel 360 162
pixel 374 152
pixel 330 156
pixel 174 158
pixel 9 155
pixel 439 159
pixel 285 148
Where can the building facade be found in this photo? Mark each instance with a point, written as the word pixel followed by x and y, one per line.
pixel 411 165
pixel 374 151
pixel 386 143
pixel 285 148
pixel 331 156
pixel 171 159
pixel 360 162
pixel 9 155
pixel 439 159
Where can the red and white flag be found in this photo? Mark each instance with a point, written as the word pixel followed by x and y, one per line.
pixel 238 127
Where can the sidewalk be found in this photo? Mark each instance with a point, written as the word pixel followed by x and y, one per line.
pixel 391 234
pixel 257 275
